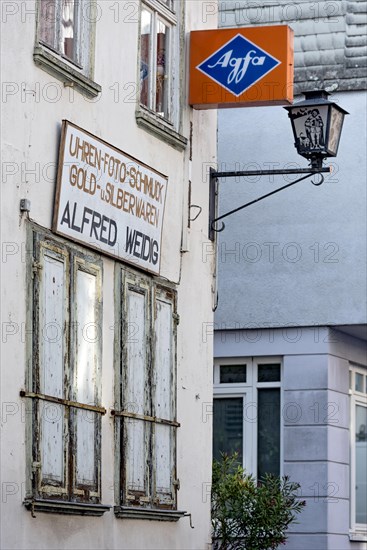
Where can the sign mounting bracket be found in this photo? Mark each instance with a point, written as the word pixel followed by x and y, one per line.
pixel 213 190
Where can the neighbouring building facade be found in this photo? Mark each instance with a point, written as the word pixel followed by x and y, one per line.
pixel 103 287
pixel 290 372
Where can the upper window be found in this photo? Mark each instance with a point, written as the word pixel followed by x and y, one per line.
pixel 358 454
pixel 146 400
pixel 160 61
pixel 64 387
pixel 247 413
pixel 59 28
pixel 157 27
pixel 65 41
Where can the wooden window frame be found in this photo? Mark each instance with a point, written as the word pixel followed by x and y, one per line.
pixel 66 495
pixel 76 72
pixel 159 12
pixel 147 502
pixel 166 127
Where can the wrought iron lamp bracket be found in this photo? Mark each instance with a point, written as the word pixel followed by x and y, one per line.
pixel 315 168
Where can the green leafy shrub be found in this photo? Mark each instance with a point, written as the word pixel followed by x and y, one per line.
pixel 250 515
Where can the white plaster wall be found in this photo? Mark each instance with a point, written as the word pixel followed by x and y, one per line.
pixel 299 257
pixel 30 134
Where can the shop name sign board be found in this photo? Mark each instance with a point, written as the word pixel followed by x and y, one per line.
pixel 108 200
pixel 241 67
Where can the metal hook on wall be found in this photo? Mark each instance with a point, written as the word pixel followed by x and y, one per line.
pixel 198 214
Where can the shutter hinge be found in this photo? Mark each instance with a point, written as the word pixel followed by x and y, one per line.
pixel 176 318
pixel 176 483
pixel 36 267
pixel 36 466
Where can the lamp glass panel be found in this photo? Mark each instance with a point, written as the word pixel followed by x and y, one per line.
pixel 336 122
pixel 310 124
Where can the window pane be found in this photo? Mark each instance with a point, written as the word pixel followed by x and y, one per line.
pixel 228 427
pixel 162 77
pixel 230 374
pixel 168 3
pixel 361 461
pixel 359 382
pixel 68 28
pixel 145 58
pixel 268 432
pixel 268 373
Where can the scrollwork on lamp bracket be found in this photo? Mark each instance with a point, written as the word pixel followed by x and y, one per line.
pixel 315 168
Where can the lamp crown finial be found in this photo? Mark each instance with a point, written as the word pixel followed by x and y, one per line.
pixel 316 94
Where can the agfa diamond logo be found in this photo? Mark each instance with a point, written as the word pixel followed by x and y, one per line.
pixel 238 65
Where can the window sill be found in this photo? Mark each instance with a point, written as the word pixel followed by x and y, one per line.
pixel 160 128
pixel 55 66
pixel 127 512
pixel 358 536
pixel 64 507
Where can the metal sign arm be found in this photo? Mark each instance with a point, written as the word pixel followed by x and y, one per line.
pixel 215 175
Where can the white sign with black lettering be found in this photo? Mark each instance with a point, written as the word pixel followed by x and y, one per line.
pixel 109 200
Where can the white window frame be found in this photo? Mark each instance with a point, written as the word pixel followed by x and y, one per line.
pixel 165 127
pixel 147 502
pixel 78 72
pixel 248 391
pixel 67 494
pixel 358 531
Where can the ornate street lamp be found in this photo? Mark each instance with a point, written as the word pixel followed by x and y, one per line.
pixel 317 124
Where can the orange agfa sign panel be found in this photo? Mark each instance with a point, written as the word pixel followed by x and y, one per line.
pixel 241 67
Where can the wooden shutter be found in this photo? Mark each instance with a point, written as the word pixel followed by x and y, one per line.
pixel 164 399
pixel 136 432
pixel 51 318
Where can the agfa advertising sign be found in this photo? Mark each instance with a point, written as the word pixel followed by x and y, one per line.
pixel 241 67
pixel 109 200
